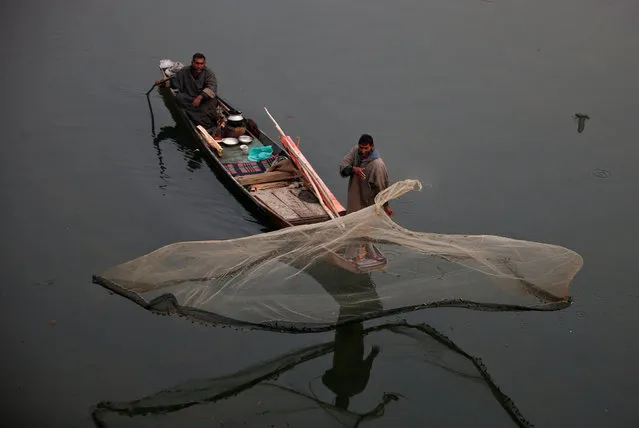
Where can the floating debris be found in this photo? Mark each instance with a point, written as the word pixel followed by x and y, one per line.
pixel 581 121
pixel 601 173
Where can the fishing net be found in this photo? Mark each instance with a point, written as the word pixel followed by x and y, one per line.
pixel 336 384
pixel 356 267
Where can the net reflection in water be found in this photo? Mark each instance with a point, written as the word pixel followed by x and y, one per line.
pixel 344 383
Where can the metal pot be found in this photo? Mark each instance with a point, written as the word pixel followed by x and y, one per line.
pixel 235 121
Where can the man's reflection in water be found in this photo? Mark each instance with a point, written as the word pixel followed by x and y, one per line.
pixel 356 296
pixel 351 371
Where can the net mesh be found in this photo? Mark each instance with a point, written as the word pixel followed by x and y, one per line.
pixel 356 267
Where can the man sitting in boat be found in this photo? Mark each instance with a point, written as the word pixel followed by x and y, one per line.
pixel 197 86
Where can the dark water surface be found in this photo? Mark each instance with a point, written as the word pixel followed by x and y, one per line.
pixel 476 98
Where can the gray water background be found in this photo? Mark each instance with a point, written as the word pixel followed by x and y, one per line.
pixel 474 98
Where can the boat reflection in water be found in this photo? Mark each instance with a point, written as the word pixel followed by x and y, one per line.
pixel 388 373
pixel 182 141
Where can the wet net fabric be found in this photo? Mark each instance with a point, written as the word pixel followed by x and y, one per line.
pixel 336 384
pixel 356 267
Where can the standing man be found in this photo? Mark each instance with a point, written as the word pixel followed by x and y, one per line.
pixel 197 86
pixel 368 175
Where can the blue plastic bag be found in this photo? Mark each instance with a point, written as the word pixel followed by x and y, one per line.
pixel 257 154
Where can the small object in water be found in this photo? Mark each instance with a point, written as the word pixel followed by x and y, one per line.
pixel 581 124
pixel 601 173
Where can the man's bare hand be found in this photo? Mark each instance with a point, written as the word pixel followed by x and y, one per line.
pixel 196 102
pixel 359 172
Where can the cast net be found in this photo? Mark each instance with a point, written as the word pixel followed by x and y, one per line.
pixel 356 267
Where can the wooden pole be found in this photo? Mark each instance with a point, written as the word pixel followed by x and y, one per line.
pixel 210 140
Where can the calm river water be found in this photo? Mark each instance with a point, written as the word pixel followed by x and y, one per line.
pixel 475 98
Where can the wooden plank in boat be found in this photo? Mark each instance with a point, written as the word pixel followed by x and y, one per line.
pixel 315 207
pixel 293 202
pixel 265 177
pixel 310 220
pixel 304 209
pixel 263 186
pixel 276 205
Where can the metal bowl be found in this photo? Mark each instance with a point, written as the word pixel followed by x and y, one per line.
pixel 230 141
pixel 245 139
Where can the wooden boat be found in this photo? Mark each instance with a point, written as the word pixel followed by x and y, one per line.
pixel 284 189
pixel 283 198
